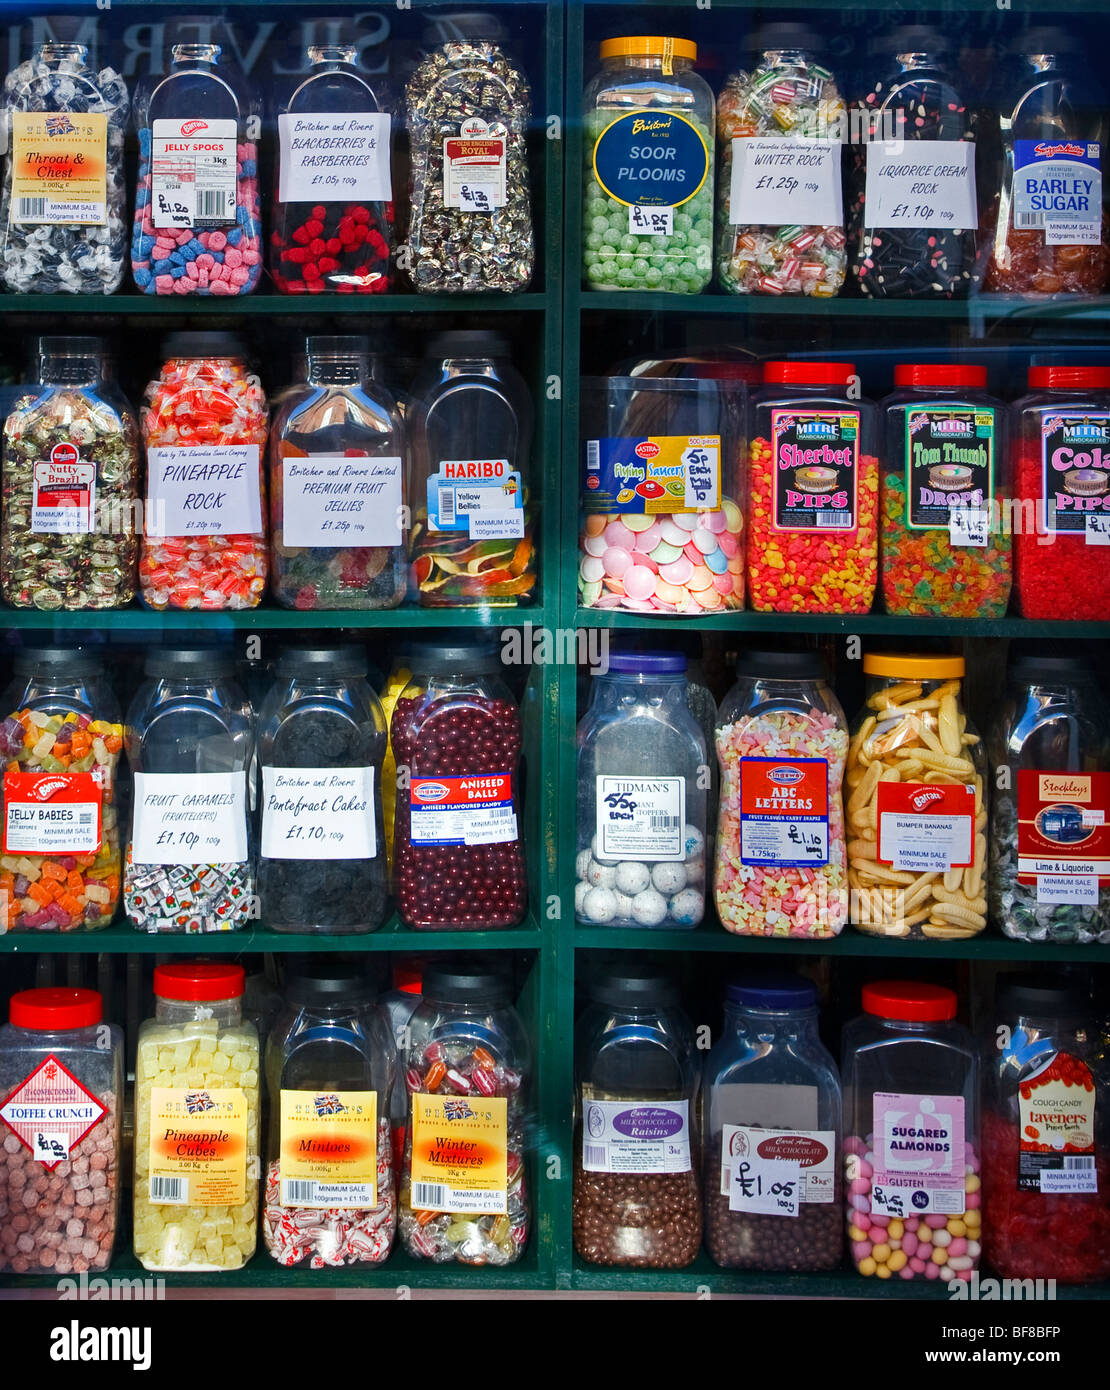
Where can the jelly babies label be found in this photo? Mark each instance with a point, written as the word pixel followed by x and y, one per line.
pixel 640 817
pixel 189 818
pixel 474 167
pixel 1064 833
pixel 655 476
pixel 51 1112
pixel 331 500
pixel 59 164
pixel 333 158
pixel 789 182
pixel 63 501
pixel 775 1171
pixel 923 183
pixel 1075 468
pixel 629 1136
pixel 462 810
pixel 329 1149
pixel 949 452
pixel 651 159
pixel 816 457
pixel 784 812
pixel 203 490
pixel 193 172
pixel 1056 1115
pixel 51 812
pixel 318 813
pixel 482 497
pixel 1058 189
pixel 925 828
pixel 919 1155
pixel 460 1154
pixel 198 1146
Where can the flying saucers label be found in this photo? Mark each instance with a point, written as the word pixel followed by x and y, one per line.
pixel 655 475
pixel 816 463
pixel 1058 190
pixel 949 463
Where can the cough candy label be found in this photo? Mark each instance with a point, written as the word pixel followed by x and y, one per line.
pixel 1058 189
pixel 653 476
pixel 59 167
pixel 51 1112
pixel 949 463
pixel 628 1136
pixel 460 1153
pixel 1064 834
pixel 1056 1109
pixel 784 812
pixel 1075 469
pixel 919 1155
pixel 329 1149
pixel 816 456
pixel 198 1147
pixel 651 159
pixel 641 818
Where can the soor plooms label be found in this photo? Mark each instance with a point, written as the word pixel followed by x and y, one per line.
pixel 1056 1113
pixel 198 1147
pixel 59 165
pixel 460 1153
pixel 329 1149
pixel 784 812
pixel 1063 831
pixel 52 812
pixel 919 1155
pixel 925 828
pixel 51 1112
pixel 816 462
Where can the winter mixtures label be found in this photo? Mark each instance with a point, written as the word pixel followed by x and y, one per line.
pixel 657 475
pixel 482 497
pixel 1075 469
pixel 462 810
pixel 816 463
pixel 329 1149
pixel 1058 190
pixel 460 1153
pixel 1056 1115
pixel 640 817
pixel 949 465
pixel 51 1112
pixel 635 1136
pixel 59 167
pixel 784 812
pixel 193 173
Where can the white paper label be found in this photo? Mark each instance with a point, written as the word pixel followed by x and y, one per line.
pixel 640 817
pixel 1092 818
pixel 969 526
pixel 474 161
pixel 64 500
pixel 921 183
pixel 192 173
pixel 767 1186
pixel 329 158
pixel 205 490
pixel 1097 529
pixel 1067 888
pixel 926 844
pixel 702 465
pixel 778 183
pixel 318 813
pixel 190 818
pixel 631 1136
pixel 331 500
pixel 755 1159
pixel 1079 1179
pixel 650 221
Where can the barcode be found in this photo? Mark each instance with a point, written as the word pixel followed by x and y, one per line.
pixel 211 202
pixel 428 1195
pixel 593 455
pixel 1028 219
pixel 446 506
pixel 31 208
pixel 840 520
pixel 1086 1162
pixel 595 1156
pixel 299 1191
pixel 169 1190
pixel 663 822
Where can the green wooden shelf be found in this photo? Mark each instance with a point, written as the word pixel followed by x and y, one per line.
pixel 879 624
pixel 1039 308
pixel 291 306
pixel 270 619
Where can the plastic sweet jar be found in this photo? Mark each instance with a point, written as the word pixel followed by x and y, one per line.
pixel 783 235
pixel 321 742
pixel 337 474
pixel 197 1160
pixel 473 539
pixel 330 1197
pixel 637 1194
pixel 398 1004
pixel 916 803
pixel 813 486
pixel 1046 1145
pixel 1049 744
pixel 772 1132
pixel 911 1135
pixel 782 746
pixel 944 494
pixel 642 792
pixel 1061 444
pixel 197 226
pixel 332 227
pixel 647 202
pixel 61 743
pixel 458 856
pixel 59 1183
pixel 464 1191
pixel 190 744
pixel 399 676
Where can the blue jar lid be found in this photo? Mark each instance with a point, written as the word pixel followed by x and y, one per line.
pixel 779 990
pixel 648 663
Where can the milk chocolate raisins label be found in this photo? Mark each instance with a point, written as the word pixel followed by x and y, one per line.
pixel 1064 834
pixel 1075 469
pixel 816 461
pixel 651 159
pixel 462 810
pixel 1058 190
pixel 474 167
pixel 949 453
pixel 919 1155
pixel 775 1171
pixel 190 818
pixel 318 813
pixel 193 172
pixel 784 812
pixel 329 1149
pixel 460 1153
pixel 51 1112
pixel 63 501
pixel 635 1136
pixel 658 475
pixel 198 1147
pixel 482 497
pixel 59 165
pixel 52 812
pixel 641 817
pixel 1056 1114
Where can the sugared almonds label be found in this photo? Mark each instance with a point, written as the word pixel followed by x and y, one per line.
pixel 460 1154
pixel 198 1147
pixel 51 1112
pixel 329 1149
pixel 919 1155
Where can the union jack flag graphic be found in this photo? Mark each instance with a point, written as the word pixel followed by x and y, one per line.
pixel 329 1105
pixel 198 1101
pixel 59 125
pixel 457 1110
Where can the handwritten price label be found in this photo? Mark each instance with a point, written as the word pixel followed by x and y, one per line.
pixel 766 1186
pixel 926 183
pixel 785 182
pixel 969 526
pixel 1097 530
pixel 703 471
pixel 650 221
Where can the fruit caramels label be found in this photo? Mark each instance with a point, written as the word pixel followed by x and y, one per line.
pixel 198 1146
pixel 329 1149
pixel 654 476
pixel 460 1153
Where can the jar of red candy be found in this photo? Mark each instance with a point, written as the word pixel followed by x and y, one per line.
pixel 458 857
pixel 204 424
pixel 1046 1163
pixel 1061 521
pixel 333 214
pixel 813 492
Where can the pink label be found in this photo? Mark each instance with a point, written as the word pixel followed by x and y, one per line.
pixel 919 1154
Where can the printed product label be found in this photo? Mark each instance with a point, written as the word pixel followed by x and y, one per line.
pixel 641 817
pixel 318 813
pixel 922 183
pixel 329 1149
pixel 332 500
pixel 949 469
pixel 51 1112
pixel 198 1147
pixel 59 167
pixel 925 828
pixel 64 500
pixel 816 469
pixel 460 1154
pixel 52 812
pixel 462 810
pixel 1064 833
pixel 190 818
pixel 474 168
pixel 327 158
pixel 482 497
pixel 1058 189
pixel 775 1171
pixel 651 159
pixel 919 1155
pixel 655 477
pixel 1056 1109
pixel 192 173
pixel 785 183
pixel 205 490
pixel 628 1136
pixel 1075 459
pixel 784 812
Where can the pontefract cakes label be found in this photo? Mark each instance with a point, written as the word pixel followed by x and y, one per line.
pixel 1058 190
pixel 1075 470
pixel 816 469
pixel 1064 834
pixel 654 476
pixel 1056 1116
pixel 949 463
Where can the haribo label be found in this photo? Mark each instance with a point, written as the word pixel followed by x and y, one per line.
pixel 784 812
pixel 59 167
pixel 919 1155
pixel 51 1112
pixel 482 497
pixel 628 1136
pixel 329 1149
pixel 189 818
pixel 198 1146
pixel 816 462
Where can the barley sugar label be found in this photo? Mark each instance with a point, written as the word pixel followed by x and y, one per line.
pixel 198 1147
pixel 776 1171
pixel 193 173
pixel 919 1155
pixel 925 828
pixel 1064 834
pixel 63 502
pixel 52 812
pixel 59 163
pixel 460 1154
pixel 474 167
pixel 318 813
pixel 190 818
pixel 640 817
pixel 1075 470
pixel 332 500
pixel 653 476
pixel 816 469
pixel 620 1136
pixel 482 497
pixel 949 464
pixel 1058 190
pixel 651 159
pixel 1056 1118
pixel 51 1112
pixel 784 812
pixel 329 158
pixel 329 1149
pixel 462 810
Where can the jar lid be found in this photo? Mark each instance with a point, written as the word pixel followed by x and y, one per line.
pixel 778 990
pixel 199 980
pixel 639 986
pixel 55 1008
pixel 468 342
pixel 1078 378
pixel 187 662
pixel 464 658
pixel 1046 38
pixel 911 38
pixel 204 344
pixel 71 347
pixel 474 26
pixel 913 667
pixel 337 345
pixel 783 34
pixel 59 662
pixel 782 666
pixel 407 975
pixel 329 982
pixel 808 373
pixel 466 980
pixel 940 374
pixel 647 663
pixel 1039 996
pixel 909 1001
pixel 321 662
pixel 1028 666
pixel 649 46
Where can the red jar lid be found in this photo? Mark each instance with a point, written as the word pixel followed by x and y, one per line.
pixel 199 981
pixel 940 374
pixel 408 975
pixel 54 1009
pixel 1075 378
pixel 909 1001
pixel 809 373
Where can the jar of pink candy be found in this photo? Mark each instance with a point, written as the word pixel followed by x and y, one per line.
pixel 782 743
pixel 911 1126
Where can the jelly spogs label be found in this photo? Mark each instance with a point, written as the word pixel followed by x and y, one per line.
pixel 474 167
pixel 655 476
pixel 784 812
pixel 1058 190
pixel 334 158
pixel 193 173
pixel 919 1155
pixel 329 1149
pixel 630 1136
pixel 198 1147
pixel 52 812
pixel 483 497
pixel 63 499
pixel 1056 1116
pixel 755 1159
pixel 816 456
pixel 640 818
pixel 925 183
pixel 189 818
pixel 460 1154
pixel 651 159
pixel 1064 833
pixel 1075 468
pixel 780 182
pixel 318 813
pixel 925 828
pixel 203 490
pixel 338 500
pixel 51 1112
pixel 949 462
pixel 59 165
pixel 462 810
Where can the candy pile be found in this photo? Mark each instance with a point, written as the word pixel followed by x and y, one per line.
pixel 634 893
pixel 334 246
pixel 187 897
pixel 636 1220
pixel 450 568
pixel 1023 262
pixel 814 1239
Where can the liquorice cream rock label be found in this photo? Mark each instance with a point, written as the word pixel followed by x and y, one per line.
pixel 919 1155
pixel 816 463
pixel 629 1136
pixel 329 1149
pixel 460 1154
pixel 51 1112
pixel 198 1147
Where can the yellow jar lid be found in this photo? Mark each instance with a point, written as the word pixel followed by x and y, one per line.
pixel 649 46
pixel 905 666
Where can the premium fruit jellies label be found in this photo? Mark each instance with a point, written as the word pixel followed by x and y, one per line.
pixel 198 1147
pixel 329 1149
pixel 59 167
pixel 949 467
pixel 1064 834
pixel 816 458
pixel 919 1155
pixel 1075 471
pixel 460 1153
pixel 656 476
pixel 784 812
pixel 1056 1107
